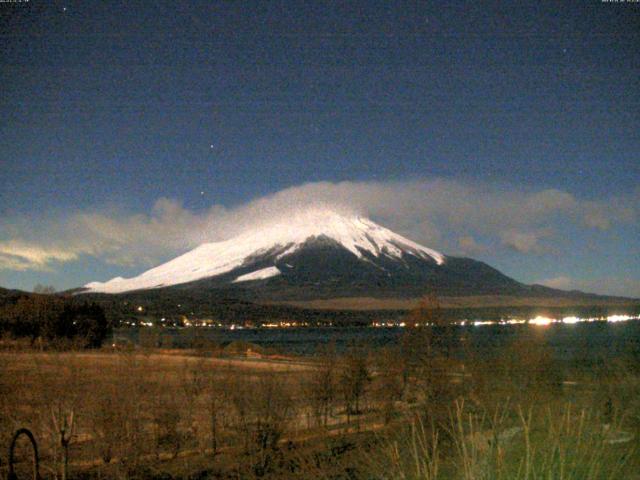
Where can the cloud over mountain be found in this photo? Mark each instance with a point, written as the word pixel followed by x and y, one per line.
pixel 445 214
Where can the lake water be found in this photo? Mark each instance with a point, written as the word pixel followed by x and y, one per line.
pixel 592 339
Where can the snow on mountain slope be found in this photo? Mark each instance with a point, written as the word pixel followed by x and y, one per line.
pixel 354 233
pixel 258 274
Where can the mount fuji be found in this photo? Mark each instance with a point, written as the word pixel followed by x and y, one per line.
pixel 318 254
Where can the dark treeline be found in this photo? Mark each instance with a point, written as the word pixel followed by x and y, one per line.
pixel 54 320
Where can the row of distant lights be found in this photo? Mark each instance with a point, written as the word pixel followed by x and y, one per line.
pixel 539 320
pixel 543 321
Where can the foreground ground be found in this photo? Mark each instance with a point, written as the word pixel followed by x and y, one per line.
pixel 403 413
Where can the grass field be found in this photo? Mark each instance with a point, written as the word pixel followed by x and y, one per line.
pixel 402 413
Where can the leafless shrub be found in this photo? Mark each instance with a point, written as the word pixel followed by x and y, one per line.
pixel 59 379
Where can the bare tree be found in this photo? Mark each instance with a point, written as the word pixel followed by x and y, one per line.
pixel 215 402
pixel 321 386
pixel 354 379
pixel 390 380
pixel 426 349
pixel 261 410
pixel 107 420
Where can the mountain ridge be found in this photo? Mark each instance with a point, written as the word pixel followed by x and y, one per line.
pixel 321 255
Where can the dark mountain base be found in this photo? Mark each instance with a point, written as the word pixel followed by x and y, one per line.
pixel 191 304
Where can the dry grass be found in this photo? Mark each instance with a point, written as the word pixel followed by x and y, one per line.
pixel 132 410
pixel 395 413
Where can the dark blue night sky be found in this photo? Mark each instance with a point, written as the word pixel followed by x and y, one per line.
pixel 121 115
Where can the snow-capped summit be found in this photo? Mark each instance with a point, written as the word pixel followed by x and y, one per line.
pixel 262 253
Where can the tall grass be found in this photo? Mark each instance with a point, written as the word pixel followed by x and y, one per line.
pixel 543 443
pixel 411 454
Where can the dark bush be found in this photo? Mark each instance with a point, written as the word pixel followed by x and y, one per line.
pixel 54 319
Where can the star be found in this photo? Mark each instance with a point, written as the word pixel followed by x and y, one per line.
pixel 64 9
pixel 201 193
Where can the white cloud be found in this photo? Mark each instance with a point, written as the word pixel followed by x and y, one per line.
pixel 17 255
pixel 432 212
